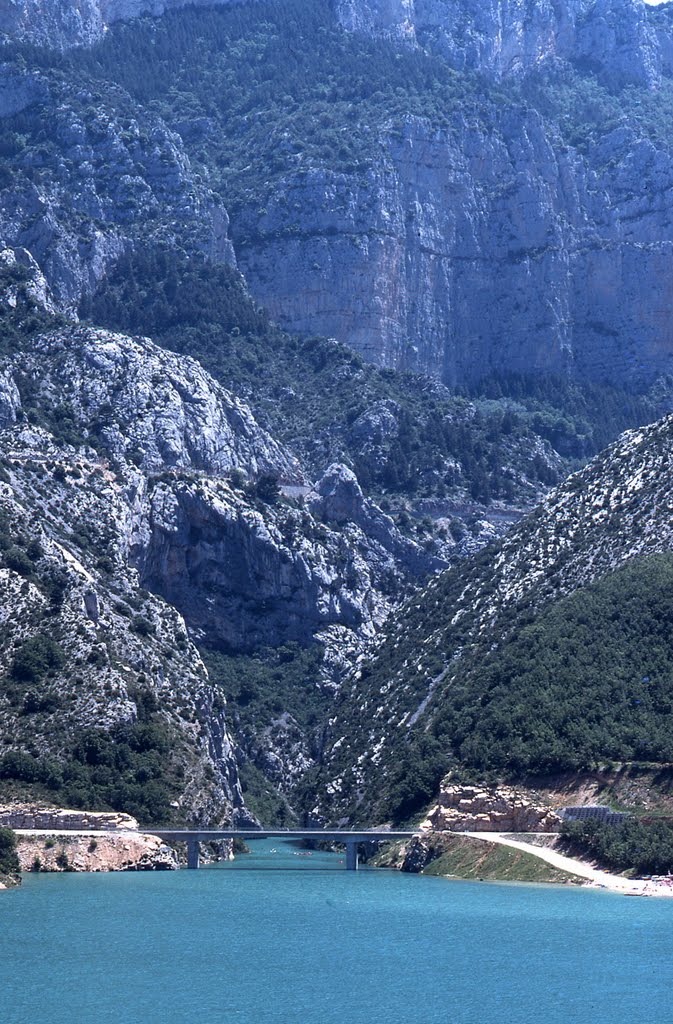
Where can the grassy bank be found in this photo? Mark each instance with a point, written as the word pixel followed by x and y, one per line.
pixel 473 858
pixel 459 856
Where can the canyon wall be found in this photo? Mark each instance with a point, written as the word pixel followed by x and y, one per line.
pixel 467 252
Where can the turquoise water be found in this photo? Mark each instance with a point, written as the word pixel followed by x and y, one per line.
pixel 320 945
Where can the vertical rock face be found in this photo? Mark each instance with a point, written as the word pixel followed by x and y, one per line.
pixel 60 24
pixel 256 576
pixel 466 252
pixel 511 37
pixel 393 18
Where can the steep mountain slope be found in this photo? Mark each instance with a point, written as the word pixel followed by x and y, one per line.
pixel 614 37
pixel 458 223
pixel 447 187
pixel 137 468
pixel 402 236
pixel 86 173
pixel 549 651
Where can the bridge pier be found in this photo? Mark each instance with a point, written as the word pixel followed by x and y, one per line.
pixel 193 854
pixel 351 856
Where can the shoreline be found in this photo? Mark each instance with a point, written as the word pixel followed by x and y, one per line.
pixel 92 851
pixel 595 878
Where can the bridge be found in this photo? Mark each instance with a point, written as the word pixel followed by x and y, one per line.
pixel 193 837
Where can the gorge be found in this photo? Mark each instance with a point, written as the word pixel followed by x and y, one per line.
pixel 309 313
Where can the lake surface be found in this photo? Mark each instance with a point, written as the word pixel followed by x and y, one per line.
pixel 319 945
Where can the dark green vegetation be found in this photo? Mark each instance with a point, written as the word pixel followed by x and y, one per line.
pixel 586 110
pixel 272 88
pixel 9 862
pixel 128 769
pixel 585 680
pixel 275 701
pixel 643 848
pixel 263 686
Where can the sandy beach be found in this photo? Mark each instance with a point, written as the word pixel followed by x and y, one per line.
pixel 594 876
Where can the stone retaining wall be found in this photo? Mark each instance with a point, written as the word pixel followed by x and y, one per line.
pixel 59 818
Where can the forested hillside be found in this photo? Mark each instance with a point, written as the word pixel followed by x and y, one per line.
pixel 548 652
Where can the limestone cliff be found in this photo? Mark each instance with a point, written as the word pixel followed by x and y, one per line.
pixel 61 24
pixel 512 37
pixel 462 245
pixel 466 252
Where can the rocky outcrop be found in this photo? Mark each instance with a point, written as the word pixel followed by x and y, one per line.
pixel 337 498
pixel 256 574
pixel 23 281
pixel 512 37
pixel 104 182
pixel 488 246
pixel 420 851
pixel 131 850
pixel 467 253
pixel 19 90
pixel 602 519
pixel 489 809
pixel 125 852
pixel 61 24
pixel 149 406
pixel 244 569
pixel 500 37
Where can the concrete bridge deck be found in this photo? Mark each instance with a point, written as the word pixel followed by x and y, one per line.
pixel 193 837
pixel 349 839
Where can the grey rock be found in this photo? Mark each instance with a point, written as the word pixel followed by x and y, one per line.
pixel 377 425
pixel 19 91
pixel 61 24
pixel 512 37
pixel 76 515
pixel 259 576
pixel 104 183
pixel 150 405
pixel 465 253
pixel 337 497
pixel 91 606
pixel 30 283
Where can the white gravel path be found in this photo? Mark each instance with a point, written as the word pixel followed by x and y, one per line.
pixel 602 879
